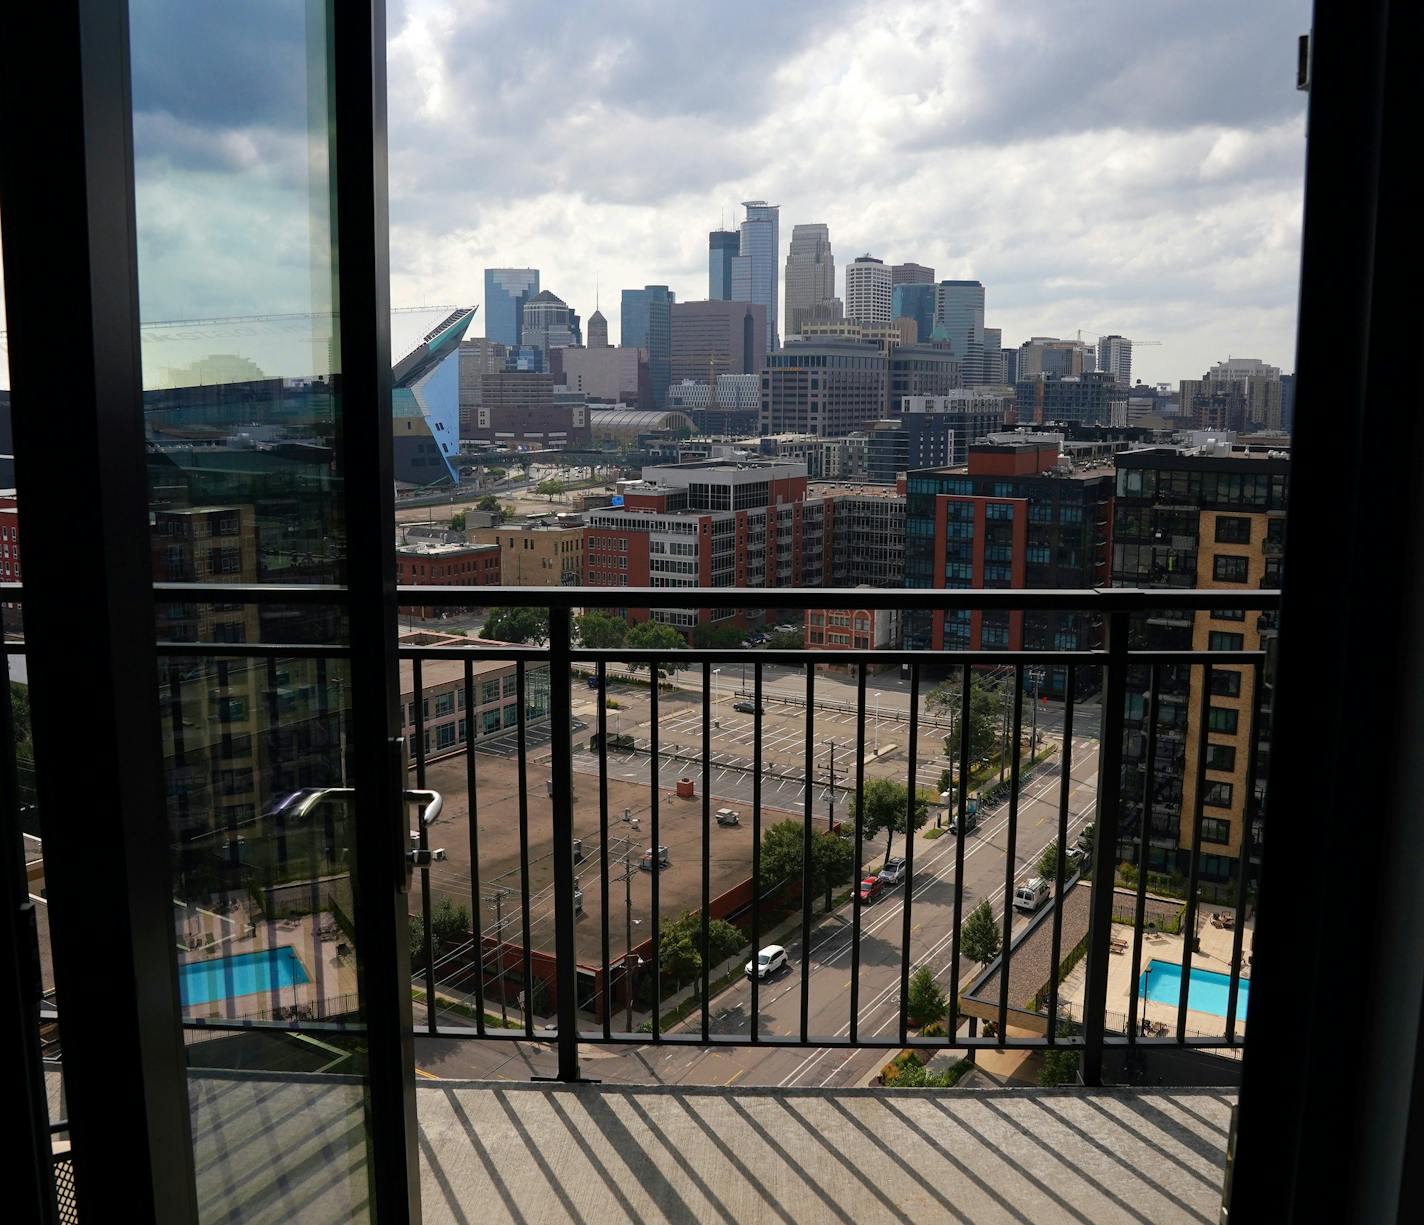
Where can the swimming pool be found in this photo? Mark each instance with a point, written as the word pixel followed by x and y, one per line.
pixel 1208 991
pixel 222 978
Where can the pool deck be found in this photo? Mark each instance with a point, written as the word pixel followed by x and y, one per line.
pixel 1214 956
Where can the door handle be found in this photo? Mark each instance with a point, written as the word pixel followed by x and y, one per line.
pixel 420 856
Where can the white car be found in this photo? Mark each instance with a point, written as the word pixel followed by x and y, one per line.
pixel 768 961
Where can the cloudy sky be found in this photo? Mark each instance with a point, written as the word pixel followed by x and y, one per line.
pixel 1111 165
pixel 1130 166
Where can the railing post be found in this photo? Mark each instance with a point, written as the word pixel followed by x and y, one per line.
pixel 1105 848
pixel 562 771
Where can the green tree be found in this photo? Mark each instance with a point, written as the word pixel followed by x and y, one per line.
pixel 496 474
pixel 551 489
pixel 926 1001
pixel 1048 862
pixel 655 636
pixel 981 934
pixel 986 717
pixel 488 503
pixel 600 630
pixel 786 640
pixel 517 625
pixel 832 858
pixel 885 804
pixel 417 941
pixel 450 921
pixel 716 637
pixel 680 946
pixel 946 781
pixel 457 521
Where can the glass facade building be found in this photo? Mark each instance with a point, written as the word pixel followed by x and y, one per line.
pixel 959 310
pixel 755 269
pixel 506 292
pixel 915 301
pixel 646 323
pixel 722 248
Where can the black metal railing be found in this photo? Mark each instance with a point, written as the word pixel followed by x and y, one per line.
pixel 462 975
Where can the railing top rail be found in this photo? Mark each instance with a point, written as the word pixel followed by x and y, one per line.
pixel 1096 599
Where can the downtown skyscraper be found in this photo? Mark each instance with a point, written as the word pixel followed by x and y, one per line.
pixel 646 323
pixel 506 292
pixel 868 290
pixel 959 310
pixel 810 278
pixel 754 268
pixel 722 249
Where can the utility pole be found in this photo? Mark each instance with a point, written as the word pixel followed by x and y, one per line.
pixel 1033 736
pixel 1004 743
pixel 877 721
pixel 628 960
pixel 498 904
pixel 831 770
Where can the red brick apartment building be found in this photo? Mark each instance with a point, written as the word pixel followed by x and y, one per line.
pixel 741 525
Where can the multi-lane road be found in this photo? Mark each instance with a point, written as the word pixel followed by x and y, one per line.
pixel 931 892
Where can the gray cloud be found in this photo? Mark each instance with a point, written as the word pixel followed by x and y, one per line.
pixel 1115 166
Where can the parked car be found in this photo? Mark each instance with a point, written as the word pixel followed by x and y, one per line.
pixel 592 682
pixel 647 862
pixel 870 889
pixel 748 708
pixel 1031 895
pixel 1085 838
pixel 1074 860
pixel 768 962
pixel 728 816
pixel 893 873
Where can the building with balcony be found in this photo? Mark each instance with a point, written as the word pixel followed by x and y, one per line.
pixel 1086 399
pixel 1204 518
pixel 1015 517
pixel 742 525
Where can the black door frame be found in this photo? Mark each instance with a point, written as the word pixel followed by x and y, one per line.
pixel 71 283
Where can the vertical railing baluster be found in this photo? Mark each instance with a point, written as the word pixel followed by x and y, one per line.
pixel 1243 864
pixel 1144 850
pixel 426 905
pixel 471 789
pixel 607 997
pixel 859 813
pixel 1065 786
pixel 1010 867
pixel 806 849
pixel 657 865
pixel 911 798
pixel 962 802
pixel 756 845
pixel 561 769
pixel 706 837
pixel 1194 869
pixel 1095 996
pixel 522 751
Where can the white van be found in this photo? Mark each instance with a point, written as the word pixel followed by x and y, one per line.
pixel 1031 895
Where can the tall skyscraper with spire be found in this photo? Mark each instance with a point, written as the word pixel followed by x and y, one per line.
pixel 810 277
pixel 754 269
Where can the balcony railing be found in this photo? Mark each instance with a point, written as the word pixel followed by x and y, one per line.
pixel 1020 998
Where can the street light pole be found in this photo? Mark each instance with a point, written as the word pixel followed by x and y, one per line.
pixel 499 946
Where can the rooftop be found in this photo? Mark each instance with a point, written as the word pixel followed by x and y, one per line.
pixel 425 548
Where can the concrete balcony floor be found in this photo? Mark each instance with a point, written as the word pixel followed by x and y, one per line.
pixel 292 1150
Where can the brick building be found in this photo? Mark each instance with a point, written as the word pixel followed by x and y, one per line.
pixel 1015 517
pixel 446 565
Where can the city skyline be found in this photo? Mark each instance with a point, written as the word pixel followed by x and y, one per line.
pixel 1077 186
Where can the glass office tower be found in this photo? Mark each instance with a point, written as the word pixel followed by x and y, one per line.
pixel 754 270
pixel 959 309
pixel 506 292
pixel 722 248
pixel 646 323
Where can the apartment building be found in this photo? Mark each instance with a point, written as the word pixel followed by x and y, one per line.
pixel 744 524
pixel 1206 517
pixel 1017 516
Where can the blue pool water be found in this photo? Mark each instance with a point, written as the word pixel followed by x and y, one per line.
pixel 221 978
pixel 1161 982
